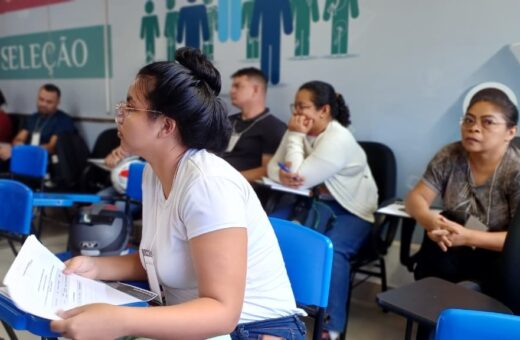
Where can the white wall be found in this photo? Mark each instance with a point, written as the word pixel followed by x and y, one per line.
pixel 409 64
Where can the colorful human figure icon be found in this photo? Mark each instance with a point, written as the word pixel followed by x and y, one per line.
pixel 170 29
pixel 193 25
pixel 303 11
pixel 208 46
pixel 270 15
pixel 340 11
pixel 229 20
pixel 149 31
pixel 251 43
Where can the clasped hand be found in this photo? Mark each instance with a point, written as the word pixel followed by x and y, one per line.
pixel 300 123
pixel 447 233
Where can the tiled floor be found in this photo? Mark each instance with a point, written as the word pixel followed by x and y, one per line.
pixel 367 321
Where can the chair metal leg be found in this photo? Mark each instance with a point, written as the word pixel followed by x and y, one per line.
pixel 318 324
pixel 409 328
pixel 382 266
pixel 9 330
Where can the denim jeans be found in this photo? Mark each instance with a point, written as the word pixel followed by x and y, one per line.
pixel 290 328
pixel 347 233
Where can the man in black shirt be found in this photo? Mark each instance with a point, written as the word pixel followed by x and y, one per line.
pixel 256 132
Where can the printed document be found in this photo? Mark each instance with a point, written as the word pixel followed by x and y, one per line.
pixel 36 284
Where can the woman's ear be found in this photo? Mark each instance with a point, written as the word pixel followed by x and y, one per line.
pixel 169 126
pixel 325 110
pixel 511 133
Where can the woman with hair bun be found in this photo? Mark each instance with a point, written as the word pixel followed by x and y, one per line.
pixel 206 239
pixel 319 151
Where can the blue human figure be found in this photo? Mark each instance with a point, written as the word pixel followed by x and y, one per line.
pixel 193 22
pixel 271 14
pixel 149 31
pixel 229 19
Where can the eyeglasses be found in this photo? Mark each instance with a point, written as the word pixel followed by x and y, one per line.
pixel 123 110
pixel 299 107
pixel 486 122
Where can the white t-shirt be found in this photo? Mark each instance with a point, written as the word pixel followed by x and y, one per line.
pixel 335 159
pixel 208 194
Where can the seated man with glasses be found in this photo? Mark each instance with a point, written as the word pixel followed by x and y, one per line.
pixel 478 179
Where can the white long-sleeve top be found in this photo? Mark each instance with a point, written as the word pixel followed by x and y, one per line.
pixel 335 159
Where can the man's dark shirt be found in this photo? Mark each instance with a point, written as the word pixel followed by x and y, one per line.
pixel 261 135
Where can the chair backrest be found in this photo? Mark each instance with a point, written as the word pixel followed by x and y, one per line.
pixel 29 160
pixel 461 324
pixel 381 161
pixel 105 143
pixel 308 260
pixel 16 207
pixel 135 179
pixel 511 265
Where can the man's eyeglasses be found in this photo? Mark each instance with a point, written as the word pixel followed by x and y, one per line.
pixel 123 110
pixel 299 107
pixel 486 122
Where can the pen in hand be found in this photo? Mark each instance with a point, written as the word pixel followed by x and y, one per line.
pixel 284 167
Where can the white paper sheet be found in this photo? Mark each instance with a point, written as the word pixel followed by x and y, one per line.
pixel 397 209
pixel 280 187
pixel 99 162
pixel 37 285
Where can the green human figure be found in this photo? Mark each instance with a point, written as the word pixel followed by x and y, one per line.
pixel 252 49
pixel 170 29
pixel 303 11
pixel 341 11
pixel 149 31
pixel 208 46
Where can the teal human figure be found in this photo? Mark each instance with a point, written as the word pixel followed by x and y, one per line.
pixel 341 11
pixel 170 29
pixel 252 46
pixel 208 46
pixel 149 31
pixel 303 11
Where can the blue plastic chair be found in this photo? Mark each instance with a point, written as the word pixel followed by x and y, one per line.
pixel 134 191
pixel 308 260
pixel 454 324
pixel 29 161
pixel 15 211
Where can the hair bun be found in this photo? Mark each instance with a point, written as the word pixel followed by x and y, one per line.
pixel 200 67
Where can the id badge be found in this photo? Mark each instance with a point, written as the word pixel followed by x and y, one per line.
pixel 35 138
pixel 475 224
pixel 233 140
pixel 153 279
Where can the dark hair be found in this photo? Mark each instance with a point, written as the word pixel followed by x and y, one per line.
pixel 52 88
pixel 252 72
pixel 499 99
pixel 324 94
pixel 2 98
pixel 187 91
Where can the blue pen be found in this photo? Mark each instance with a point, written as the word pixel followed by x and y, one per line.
pixel 284 168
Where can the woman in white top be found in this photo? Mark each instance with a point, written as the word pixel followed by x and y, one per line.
pixel 319 150
pixel 206 240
